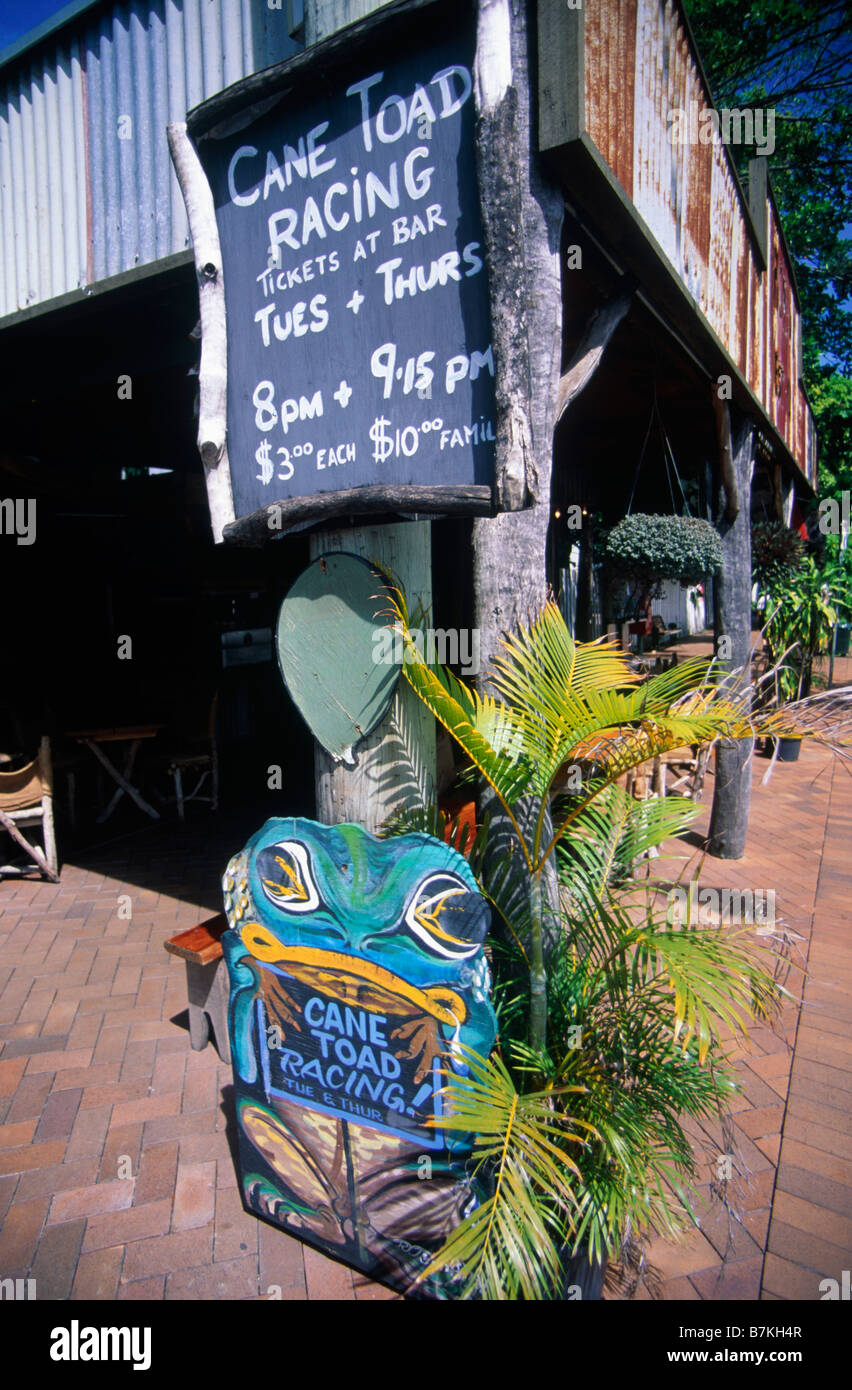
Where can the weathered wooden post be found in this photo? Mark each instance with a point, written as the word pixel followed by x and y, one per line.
pixel 522 217
pixel 396 762
pixel 405 739
pixel 732 626
pixel 522 214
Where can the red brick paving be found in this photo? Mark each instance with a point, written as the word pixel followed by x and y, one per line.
pixel 794 1134
pixel 116 1176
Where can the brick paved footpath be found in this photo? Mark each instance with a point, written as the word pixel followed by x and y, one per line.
pixel 792 1134
pixel 96 1073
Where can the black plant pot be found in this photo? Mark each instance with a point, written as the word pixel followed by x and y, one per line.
pixel 584 1278
pixel 841 641
pixel 789 749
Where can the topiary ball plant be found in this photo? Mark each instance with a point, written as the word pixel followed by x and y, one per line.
pixel 649 548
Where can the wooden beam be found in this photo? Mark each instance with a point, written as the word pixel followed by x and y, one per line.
pixel 90 297
pixel 277 518
pixel 561 73
pixel 758 203
pixel 587 358
pixel 726 457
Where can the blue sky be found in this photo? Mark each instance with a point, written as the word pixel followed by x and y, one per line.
pixel 17 17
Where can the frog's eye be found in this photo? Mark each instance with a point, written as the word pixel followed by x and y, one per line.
pixel 285 875
pixel 447 917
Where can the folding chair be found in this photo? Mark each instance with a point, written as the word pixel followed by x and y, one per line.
pixel 26 798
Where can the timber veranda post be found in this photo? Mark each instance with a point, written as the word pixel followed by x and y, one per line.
pixel 732 621
pixel 522 216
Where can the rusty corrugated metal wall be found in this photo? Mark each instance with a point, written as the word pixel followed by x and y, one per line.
pixel 86 184
pixel 639 67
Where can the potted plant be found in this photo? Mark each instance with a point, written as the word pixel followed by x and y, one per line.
pixel 800 619
pixel 610 1018
pixel 838 577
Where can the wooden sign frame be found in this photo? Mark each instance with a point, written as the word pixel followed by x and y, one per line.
pixel 382 37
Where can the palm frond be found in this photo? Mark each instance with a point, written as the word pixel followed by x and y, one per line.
pixel 484 728
pixel 612 832
pixel 715 975
pixel 455 830
pixel 509 1246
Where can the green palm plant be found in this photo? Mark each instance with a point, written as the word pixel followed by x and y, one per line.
pixel 563 703
pixel 646 998
pixel 635 1008
pixel 799 624
pixel 510 1244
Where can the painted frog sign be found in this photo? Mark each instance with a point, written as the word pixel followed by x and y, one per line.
pixel 356 969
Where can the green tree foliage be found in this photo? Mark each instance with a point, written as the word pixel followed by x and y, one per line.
pixel 795 56
pixel 648 548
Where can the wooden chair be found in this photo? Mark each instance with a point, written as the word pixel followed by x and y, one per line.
pixel 688 767
pixel 201 761
pixel 26 798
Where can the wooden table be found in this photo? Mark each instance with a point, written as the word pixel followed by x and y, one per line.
pixel 133 736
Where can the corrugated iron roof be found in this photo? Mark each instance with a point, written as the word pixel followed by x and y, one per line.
pixel 87 189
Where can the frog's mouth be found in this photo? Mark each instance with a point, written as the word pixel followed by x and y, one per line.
pixel 353 980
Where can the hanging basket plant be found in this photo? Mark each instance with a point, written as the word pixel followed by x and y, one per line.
pixel 646 549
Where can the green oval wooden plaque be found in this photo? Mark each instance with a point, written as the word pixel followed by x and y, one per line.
pixel 326 641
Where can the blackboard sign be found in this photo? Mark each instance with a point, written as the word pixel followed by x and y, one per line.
pixel 346 1061
pixel 356 293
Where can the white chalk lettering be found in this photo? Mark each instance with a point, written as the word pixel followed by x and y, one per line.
pixel 454 83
